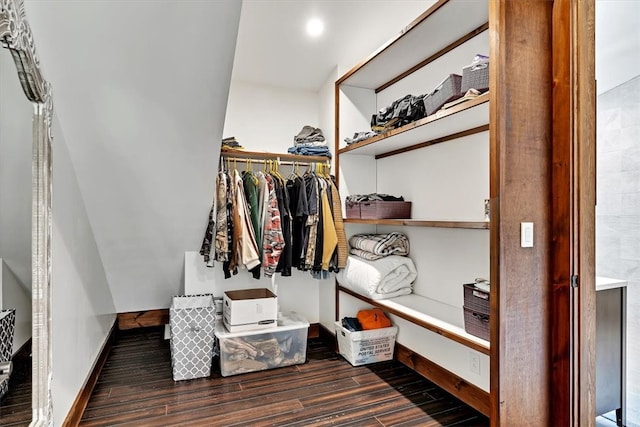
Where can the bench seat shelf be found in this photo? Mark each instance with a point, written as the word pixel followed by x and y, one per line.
pixel 429 314
pixel 442 320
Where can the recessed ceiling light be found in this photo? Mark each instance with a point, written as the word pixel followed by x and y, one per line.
pixel 315 27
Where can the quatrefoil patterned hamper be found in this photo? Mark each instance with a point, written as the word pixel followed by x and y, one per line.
pixel 7 327
pixel 191 319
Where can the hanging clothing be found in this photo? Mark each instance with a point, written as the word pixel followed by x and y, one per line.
pixel 311 185
pixel 245 249
pixel 229 266
pixel 221 240
pixel 272 238
pixel 263 201
pixel 251 190
pixel 205 248
pixel 342 250
pixel 299 211
pixel 284 263
pixel 268 224
pixel 317 257
pixel 330 237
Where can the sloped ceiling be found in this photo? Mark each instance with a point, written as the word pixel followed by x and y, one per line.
pixel 140 91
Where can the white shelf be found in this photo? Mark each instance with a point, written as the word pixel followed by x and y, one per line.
pixel 472 225
pixel 436 316
pixel 445 123
pixel 438 27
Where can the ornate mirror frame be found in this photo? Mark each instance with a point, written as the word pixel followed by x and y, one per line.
pixel 15 35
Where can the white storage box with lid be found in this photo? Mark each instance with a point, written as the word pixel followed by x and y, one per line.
pixel 364 347
pixel 192 320
pixel 250 309
pixel 257 350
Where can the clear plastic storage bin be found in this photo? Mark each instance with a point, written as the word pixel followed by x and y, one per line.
pixel 257 350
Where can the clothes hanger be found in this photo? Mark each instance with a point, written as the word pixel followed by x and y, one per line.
pixel 277 171
pixel 295 171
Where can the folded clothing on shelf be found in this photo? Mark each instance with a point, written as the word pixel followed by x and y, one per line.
pixel 309 142
pixel 309 135
pixel 404 110
pixel 360 136
pixel 310 150
pixel 230 144
pixel 468 96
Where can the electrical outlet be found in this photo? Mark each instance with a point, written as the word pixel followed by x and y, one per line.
pixel 474 362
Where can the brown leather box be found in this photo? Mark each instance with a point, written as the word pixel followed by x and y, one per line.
pixel 378 209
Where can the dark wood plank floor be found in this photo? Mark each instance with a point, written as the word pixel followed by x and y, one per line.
pixel 136 388
pixel 15 407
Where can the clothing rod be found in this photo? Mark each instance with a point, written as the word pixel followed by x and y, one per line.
pixel 281 157
pixel 280 162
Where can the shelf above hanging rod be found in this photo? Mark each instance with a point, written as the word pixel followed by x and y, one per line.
pixel 283 158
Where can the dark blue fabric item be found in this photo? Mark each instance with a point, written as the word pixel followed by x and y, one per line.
pixel 351 324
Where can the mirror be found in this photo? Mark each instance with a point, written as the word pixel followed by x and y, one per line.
pixel 15 35
pixel 15 242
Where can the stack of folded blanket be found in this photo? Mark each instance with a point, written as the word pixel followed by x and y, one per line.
pixel 378 266
pixel 376 246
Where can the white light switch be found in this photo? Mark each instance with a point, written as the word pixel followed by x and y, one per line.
pixel 526 234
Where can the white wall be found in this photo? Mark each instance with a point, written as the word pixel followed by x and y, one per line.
pixel 83 311
pixel 617 42
pixel 266 118
pixel 263 118
pixel 15 295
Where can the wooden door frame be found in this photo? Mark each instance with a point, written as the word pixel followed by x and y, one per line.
pixel 573 383
pixel 542 171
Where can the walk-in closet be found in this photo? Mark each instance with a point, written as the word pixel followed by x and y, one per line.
pixel 300 213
